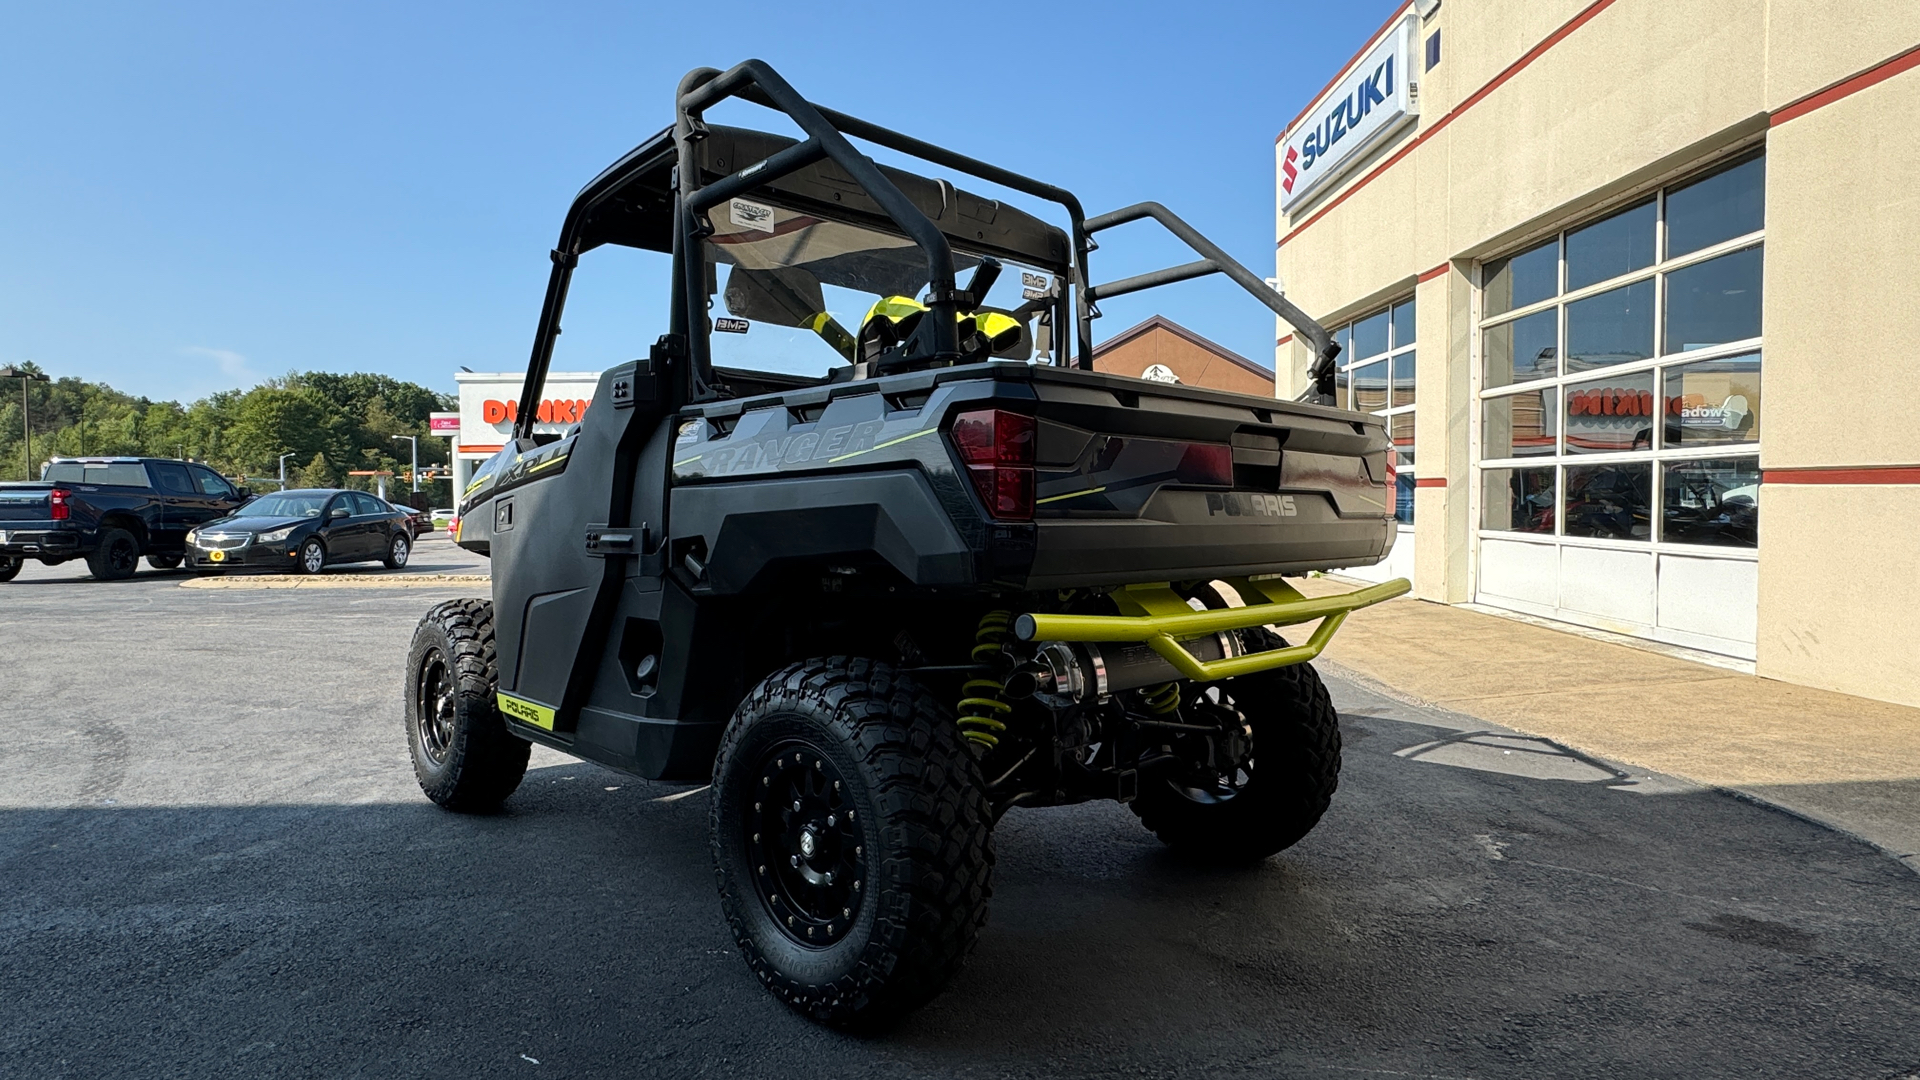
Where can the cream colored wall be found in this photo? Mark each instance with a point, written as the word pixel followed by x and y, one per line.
pixel 1816 43
pixel 1840 565
pixel 1842 314
pixel 1840 587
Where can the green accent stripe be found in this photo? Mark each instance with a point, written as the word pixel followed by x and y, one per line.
pixel 1070 495
pixel 689 461
pixel 527 712
pixel 882 446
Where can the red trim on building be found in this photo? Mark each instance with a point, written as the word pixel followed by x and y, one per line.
pixel 479 449
pixel 1847 87
pixel 1438 271
pixel 1883 474
pixel 1511 70
pixel 1429 481
pixel 1283 341
pixel 1372 39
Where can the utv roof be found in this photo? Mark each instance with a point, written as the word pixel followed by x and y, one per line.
pixel 631 203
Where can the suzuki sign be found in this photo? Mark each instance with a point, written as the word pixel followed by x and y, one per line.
pixel 1373 100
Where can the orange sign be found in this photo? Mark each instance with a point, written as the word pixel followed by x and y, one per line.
pixel 552 411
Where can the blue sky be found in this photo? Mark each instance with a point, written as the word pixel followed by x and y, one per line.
pixel 197 196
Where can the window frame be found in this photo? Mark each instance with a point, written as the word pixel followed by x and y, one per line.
pixel 1344 381
pixel 1659 456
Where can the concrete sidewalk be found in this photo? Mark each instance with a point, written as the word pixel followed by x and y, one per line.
pixel 1848 762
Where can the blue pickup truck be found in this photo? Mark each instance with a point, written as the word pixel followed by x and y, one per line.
pixel 110 512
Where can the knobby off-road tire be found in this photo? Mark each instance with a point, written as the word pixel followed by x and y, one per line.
pixel 116 557
pixel 895 802
pixel 1285 787
pixel 10 567
pixel 463 754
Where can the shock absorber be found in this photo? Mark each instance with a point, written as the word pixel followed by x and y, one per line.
pixel 981 707
pixel 1163 699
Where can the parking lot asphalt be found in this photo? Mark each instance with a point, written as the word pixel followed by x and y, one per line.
pixel 214 861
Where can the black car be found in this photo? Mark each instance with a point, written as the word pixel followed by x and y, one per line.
pixel 305 531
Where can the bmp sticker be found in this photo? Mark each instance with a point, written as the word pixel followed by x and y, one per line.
pixel 750 215
pixel 731 326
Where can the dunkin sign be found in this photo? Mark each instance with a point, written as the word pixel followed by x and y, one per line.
pixel 490 405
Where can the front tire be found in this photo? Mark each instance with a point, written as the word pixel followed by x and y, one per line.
pixel 852 840
pixel 1267 802
pixel 116 557
pixel 463 755
pixel 163 562
pixel 397 551
pixel 313 557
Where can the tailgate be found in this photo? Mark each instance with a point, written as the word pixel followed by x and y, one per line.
pixel 1139 481
pixel 24 502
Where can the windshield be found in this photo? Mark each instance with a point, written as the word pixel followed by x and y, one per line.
pixel 284 506
pixel 790 290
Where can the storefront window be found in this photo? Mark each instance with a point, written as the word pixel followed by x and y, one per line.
pixel 1711 501
pixel 1611 246
pixel 1376 375
pixel 1625 375
pixel 1518 500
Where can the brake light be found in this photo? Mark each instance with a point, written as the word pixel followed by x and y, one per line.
pixel 1393 466
pixel 1205 463
pixel 998 448
pixel 57 499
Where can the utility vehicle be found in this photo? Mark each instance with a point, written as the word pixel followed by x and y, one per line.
pixel 957 572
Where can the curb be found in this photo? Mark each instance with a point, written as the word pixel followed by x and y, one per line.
pixel 339 581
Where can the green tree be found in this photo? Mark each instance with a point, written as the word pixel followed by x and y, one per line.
pixel 314 474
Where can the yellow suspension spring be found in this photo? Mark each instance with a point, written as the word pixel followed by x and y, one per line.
pixel 1162 699
pixel 980 706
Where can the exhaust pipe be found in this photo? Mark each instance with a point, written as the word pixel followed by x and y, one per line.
pixel 1083 672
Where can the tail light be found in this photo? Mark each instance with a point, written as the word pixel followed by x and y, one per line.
pixel 57 499
pixel 1393 466
pixel 998 449
pixel 1207 463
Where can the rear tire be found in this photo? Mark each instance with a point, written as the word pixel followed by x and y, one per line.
pixel 888 796
pixel 10 567
pixel 1278 795
pixel 116 557
pixel 397 551
pixel 463 755
pixel 163 562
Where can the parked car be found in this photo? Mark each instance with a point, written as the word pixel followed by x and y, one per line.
pixel 443 519
pixel 305 531
pixel 110 511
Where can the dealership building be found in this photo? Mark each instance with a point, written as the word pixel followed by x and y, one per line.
pixel 1635 285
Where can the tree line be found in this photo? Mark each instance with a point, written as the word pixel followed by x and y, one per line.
pixel 333 424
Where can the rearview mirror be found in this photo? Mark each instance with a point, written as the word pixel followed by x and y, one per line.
pixel 783 296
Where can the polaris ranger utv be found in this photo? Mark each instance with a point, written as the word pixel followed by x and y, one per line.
pixel 957 573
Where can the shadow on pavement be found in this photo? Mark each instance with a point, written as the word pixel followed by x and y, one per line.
pixel 1442 921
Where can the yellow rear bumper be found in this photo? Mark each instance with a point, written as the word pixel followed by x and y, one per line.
pixel 1156 615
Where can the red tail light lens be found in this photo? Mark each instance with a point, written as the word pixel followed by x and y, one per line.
pixel 1202 463
pixel 998 448
pixel 1393 467
pixel 57 499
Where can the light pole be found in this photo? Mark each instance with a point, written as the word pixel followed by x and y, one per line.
pixel 25 376
pixel 283 468
pixel 414 480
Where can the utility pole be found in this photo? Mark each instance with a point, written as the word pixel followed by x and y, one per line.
pixel 283 468
pixel 414 480
pixel 25 376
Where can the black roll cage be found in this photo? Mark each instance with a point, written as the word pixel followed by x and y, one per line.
pixel 826 132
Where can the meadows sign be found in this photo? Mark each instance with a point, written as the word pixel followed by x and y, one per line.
pixel 1374 99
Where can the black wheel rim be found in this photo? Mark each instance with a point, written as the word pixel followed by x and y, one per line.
pixel 122 556
pixel 804 846
pixel 434 706
pixel 1226 779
